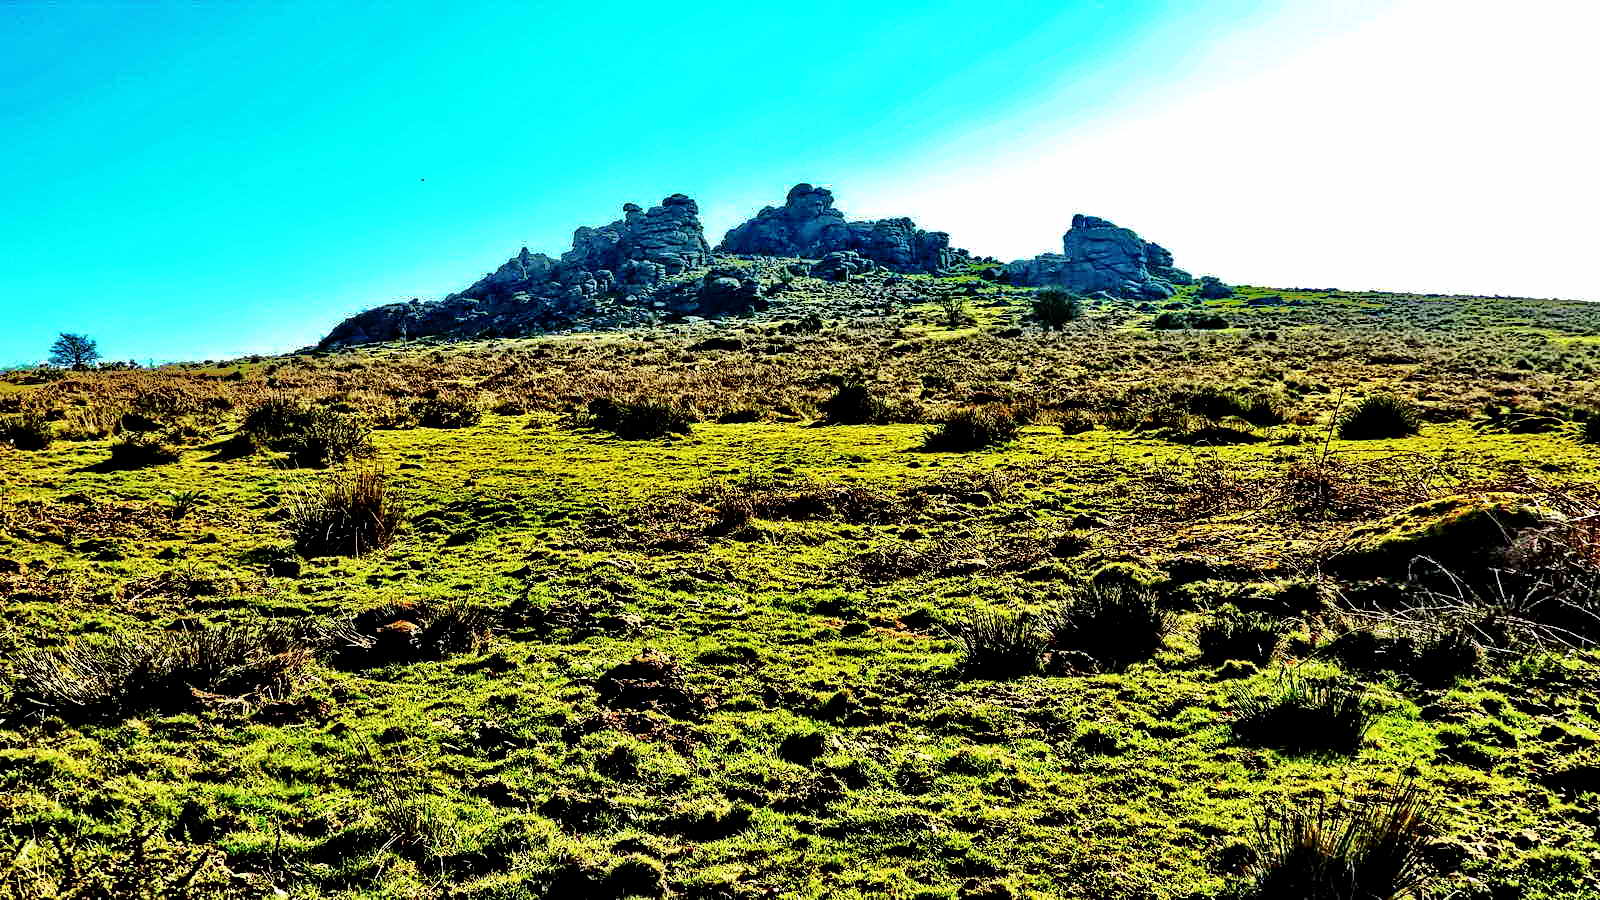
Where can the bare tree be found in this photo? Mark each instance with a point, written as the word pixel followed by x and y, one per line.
pixel 73 351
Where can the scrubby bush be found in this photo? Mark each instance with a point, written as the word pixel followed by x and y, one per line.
pixel 953 309
pixel 974 428
pixel 635 420
pixel 273 419
pixel 1218 403
pixel 1591 428
pixel 1379 417
pixel 139 450
pixel 446 412
pixel 1303 714
pixel 854 403
pixel 1000 645
pixel 324 437
pixel 1115 622
pixel 353 512
pixel 1318 851
pixel 28 430
pixel 1233 634
pixel 1053 308
pixel 123 676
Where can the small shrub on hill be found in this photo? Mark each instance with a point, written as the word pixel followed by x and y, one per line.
pixel 273 419
pixel 1591 428
pixel 635 420
pixel 354 512
pixel 1303 714
pixel 137 451
pixel 1379 417
pixel 1054 308
pixel 1318 851
pixel 974 428
pixel 324 437
pixel 1114 622
pixel 1000 645
pixel 446 412
pixel 28 430
pixel 1233 634
pixel 854 403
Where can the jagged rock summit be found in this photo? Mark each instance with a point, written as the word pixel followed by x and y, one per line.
pixel 1098 256
pixel 628 258
pixel 808 226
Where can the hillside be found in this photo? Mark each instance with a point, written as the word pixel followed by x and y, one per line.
pixel 868 587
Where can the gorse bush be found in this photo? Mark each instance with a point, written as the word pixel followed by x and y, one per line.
pixel 123 676
pixel 1000 645
pixel 323 438
pixel 1303 714
pixel 139 450
pixel 1318 851
pixel 354 512
pixel 854 403
pixel 446 412
pixel 273 419
pixel 28 430
pixel 1256 407
pixel 974 428
pixel 1233 634
pixel 1379 417
pixel 638 419
pixel 1113 622
pixel 1053 308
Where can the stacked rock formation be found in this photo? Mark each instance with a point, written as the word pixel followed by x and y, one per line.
pixel 1097 256
pixel 808 226
pixel 629 257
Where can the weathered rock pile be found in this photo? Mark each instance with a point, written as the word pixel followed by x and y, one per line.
pixel 808 226
pixel 628 258
pixel 1097 256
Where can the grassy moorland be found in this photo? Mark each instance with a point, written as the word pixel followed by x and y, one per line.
pixel 888 592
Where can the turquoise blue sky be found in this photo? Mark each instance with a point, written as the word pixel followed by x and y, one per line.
pixel 205 180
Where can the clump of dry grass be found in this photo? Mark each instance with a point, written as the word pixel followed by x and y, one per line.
pixel 354 511
pixel 168 671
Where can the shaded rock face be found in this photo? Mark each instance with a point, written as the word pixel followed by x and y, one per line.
pixel 841 264
pixel 808 226
pixel 723 291
pixel 1098 256
pixel 1212 288
pixel 531 291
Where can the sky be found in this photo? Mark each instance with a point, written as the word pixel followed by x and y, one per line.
pixel 193 181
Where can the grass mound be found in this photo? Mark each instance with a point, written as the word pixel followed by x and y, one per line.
pixel 1380 417
pixel 637 420
pixel 354 512
pixel 1303 714
pixel 1114 623
pixel 1318 851
pixel 974 429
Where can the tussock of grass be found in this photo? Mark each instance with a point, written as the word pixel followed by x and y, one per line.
pixel 1000 645
pixel 352 512
pixel 1115 623
pixel 637 420
pixel 1303 714
pixel 168 671
pixel 974 429
pixel 1379 417
pixel 1319 851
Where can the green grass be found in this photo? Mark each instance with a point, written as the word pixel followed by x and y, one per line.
pixel 816 735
